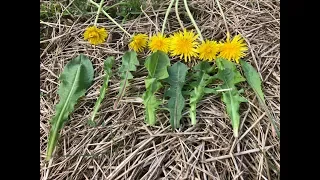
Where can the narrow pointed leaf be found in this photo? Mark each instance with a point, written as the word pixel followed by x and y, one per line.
pixel 176 103
pixel 129 63
pixel 75 79
pixel 200 79
pixel 254 81
pixel 108 63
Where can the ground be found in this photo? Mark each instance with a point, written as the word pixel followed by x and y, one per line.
pixel 122 146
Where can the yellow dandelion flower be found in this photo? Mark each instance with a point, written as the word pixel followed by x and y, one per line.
pixel 234 49
pixel 184 44
pixel 138 42
pixel 95 35
pixel 208 50
pixel 159 42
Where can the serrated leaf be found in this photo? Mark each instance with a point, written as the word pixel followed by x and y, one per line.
pixel 108 63
pixel 129 63
pixel 227 72
pixel 254 81
pixel 156 64
pixel 75 79
pixel 232 100
pixel 200 80
pixel 176 103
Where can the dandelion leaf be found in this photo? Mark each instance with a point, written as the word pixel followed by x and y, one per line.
pixel 129 63
pixel 200 79
pixel 108 63
pixel 156 64
pixel 254 81
pixel 75 79
pixel 227 72
pixel 177 75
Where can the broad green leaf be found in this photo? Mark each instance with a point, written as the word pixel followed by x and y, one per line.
pixel 200 80
pixel 129 63
pixel 107 69
pixel 75 79
pixel 227 72
pixel 157 64
pixel 176 103
pixel 254 81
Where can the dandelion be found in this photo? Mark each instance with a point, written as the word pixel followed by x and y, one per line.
pixel 208 50
pixel 159 42
pixel 184 44
pixel 234 49
pixel 138 42
pixel 95 35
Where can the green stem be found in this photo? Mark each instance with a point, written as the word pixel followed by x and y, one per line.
pixel 177 14
pixel 166 16
pixel 98 12
pixel 110 18
pixel 98 102
pixel 193 114
pixel 192 20
pixel 224 18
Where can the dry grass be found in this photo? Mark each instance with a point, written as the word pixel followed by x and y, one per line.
pixel 122 146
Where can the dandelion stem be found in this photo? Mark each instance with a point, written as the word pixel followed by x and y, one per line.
pixel 110 18
pixel 166 16
pixel 177 14
pixel 224 18
pixel 192 20
pixel 98 12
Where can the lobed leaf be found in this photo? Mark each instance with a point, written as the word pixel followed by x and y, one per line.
pixel 227 72
pixel 177 75
pixel 156 64
pixel 200 80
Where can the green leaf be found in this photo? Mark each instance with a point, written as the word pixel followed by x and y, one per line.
pixel 254 81
pixel 177 75
pixel 107 69
pixel 200 80
pixel 129 63
pixel 227 72
pixel 157 64
pixel 75 80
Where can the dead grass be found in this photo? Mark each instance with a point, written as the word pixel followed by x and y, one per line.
pixel 122 146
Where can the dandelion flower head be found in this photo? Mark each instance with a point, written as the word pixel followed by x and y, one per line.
pixel 138 42
pixel 159 42
pixel 184 44
pixel 95 35
pixel 208 50
pixel 234 49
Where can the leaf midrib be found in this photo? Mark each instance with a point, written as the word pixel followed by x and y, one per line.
pixel 56 129
pixel 231 98
pixel 176 101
